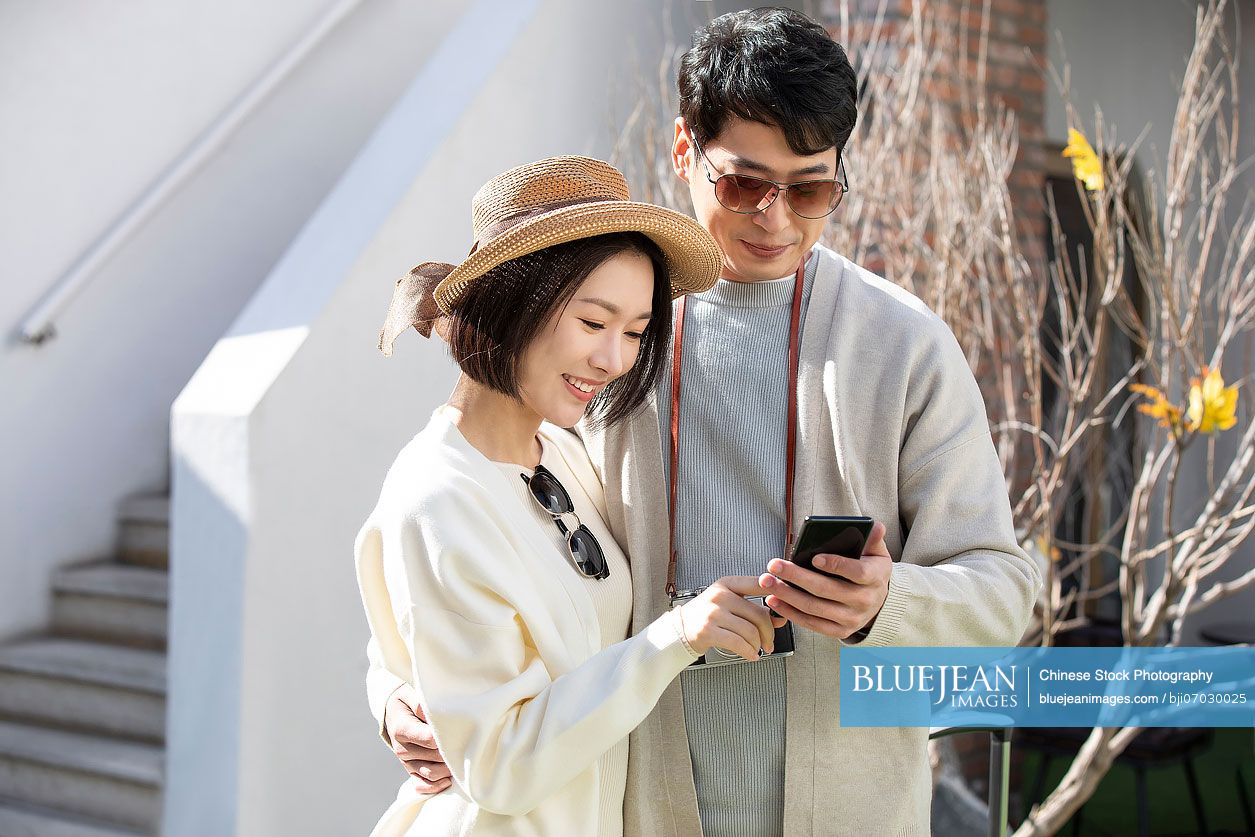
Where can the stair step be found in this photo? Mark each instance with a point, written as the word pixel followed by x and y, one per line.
pixel 88 662
pixel 113 601
pixel 144 530
pixel 123 761
pixel 153 508
pixel 85 775
pixel 109 578
pixel 145 544
pixel 20 820
pixel 85 685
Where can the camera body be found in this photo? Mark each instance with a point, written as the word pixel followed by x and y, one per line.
pixel 719 657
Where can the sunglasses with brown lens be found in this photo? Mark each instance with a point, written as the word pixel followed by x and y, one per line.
pixel 749 195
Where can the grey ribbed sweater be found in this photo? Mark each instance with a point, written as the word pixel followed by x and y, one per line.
pixel 730 521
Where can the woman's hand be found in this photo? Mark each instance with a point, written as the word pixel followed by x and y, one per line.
pixel 720 617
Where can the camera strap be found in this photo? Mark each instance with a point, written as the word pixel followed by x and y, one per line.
pixel 795 320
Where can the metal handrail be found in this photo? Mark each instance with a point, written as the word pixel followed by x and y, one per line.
pixel 39 325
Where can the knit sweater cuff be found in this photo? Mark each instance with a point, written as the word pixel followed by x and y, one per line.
pixel 887 628
pixel 381 685
pixel 667 631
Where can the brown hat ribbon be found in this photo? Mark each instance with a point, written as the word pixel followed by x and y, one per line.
pixel 413 303
pixel 503 224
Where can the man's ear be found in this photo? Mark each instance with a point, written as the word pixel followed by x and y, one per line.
pixel 681 150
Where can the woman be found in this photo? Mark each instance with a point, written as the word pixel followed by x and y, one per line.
pixel 489 577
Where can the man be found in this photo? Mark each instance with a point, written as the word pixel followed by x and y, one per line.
pixel 889 423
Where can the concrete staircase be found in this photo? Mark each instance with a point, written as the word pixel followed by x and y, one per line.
pixel 82 708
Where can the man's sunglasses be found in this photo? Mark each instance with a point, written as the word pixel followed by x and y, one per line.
pixel 580 543
pixel 749 195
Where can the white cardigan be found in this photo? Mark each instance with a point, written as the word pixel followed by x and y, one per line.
pixel 468 600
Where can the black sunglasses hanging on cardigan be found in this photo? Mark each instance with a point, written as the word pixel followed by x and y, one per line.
pixel 580 542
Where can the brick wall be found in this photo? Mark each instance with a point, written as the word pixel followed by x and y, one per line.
pixel 1014 73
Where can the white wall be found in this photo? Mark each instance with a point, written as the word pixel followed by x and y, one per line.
pixel 98 99
pixel 282 437
pixel 1128 58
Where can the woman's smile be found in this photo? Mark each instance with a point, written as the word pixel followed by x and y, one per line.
pixel 581 388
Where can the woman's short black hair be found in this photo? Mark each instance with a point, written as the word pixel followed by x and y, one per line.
pixel 500 315
pixel 774 66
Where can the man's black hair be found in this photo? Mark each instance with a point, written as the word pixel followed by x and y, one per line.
pixel 500 315
pixel 774 66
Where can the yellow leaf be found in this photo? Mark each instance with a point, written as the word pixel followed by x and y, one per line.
pixel 1045 547
pixel 1085 163
pixel 1159 406
pixel 1213 406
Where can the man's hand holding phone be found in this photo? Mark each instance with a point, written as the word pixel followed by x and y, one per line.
pixel 840 596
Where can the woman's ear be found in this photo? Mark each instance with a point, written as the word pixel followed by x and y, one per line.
pixel 441 327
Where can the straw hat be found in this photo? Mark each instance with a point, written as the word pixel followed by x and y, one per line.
pixel 541 204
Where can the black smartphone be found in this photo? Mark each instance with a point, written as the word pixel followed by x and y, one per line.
pixel 845 536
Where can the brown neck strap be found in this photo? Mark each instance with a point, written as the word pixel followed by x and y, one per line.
pixel 795 320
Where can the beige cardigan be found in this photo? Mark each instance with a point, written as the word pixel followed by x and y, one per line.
pixel 892 425
pixel 468 599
